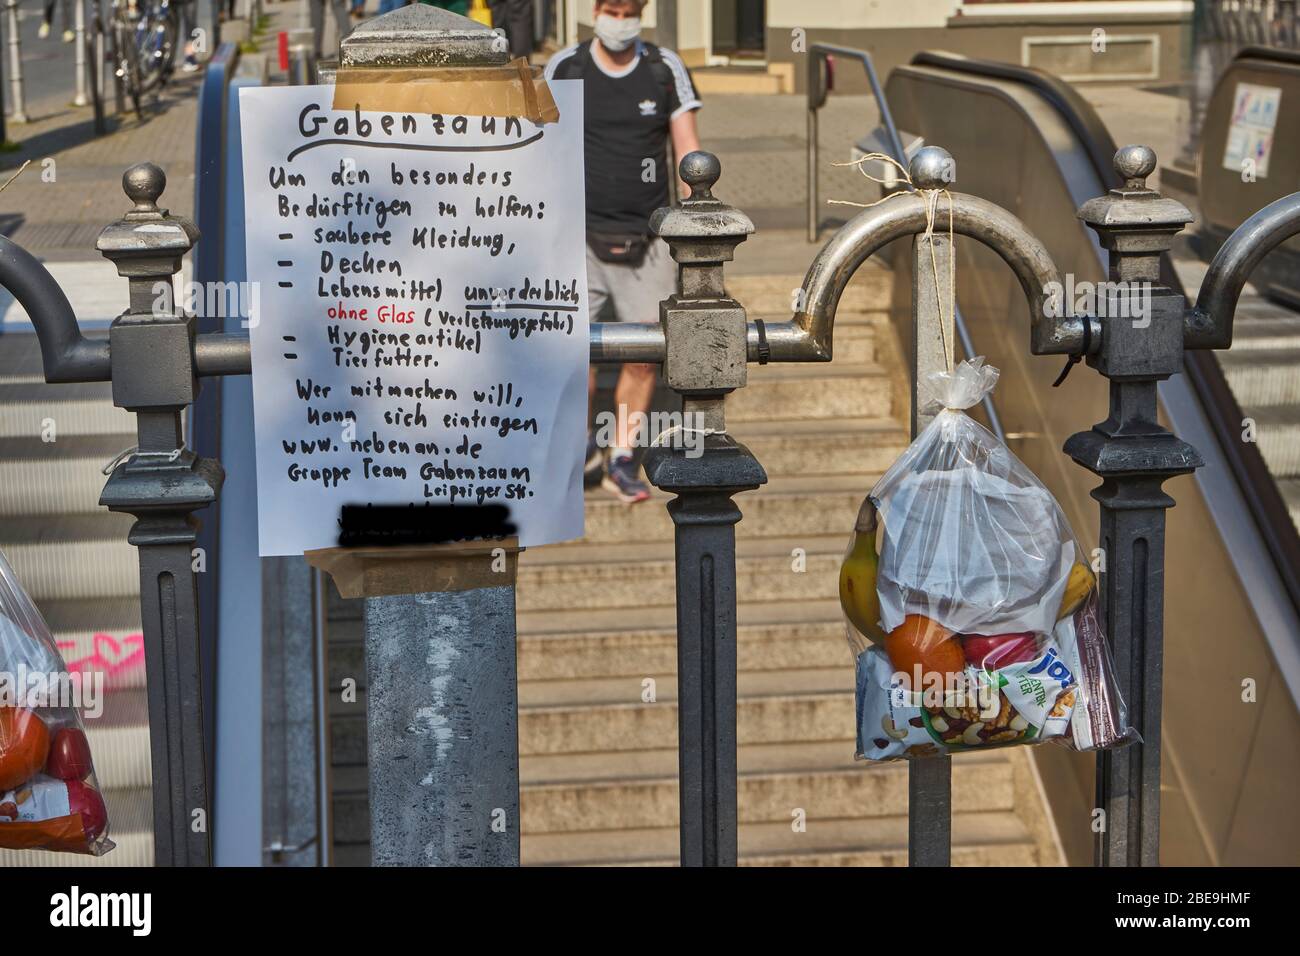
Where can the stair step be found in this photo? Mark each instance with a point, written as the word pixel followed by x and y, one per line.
pixel 788 718
pixel 564 645
pixel 77 556
pixel 712 82
pixel 851 793
pixel 1276 328
pixel 855 342
pixel 1277 430
pixel 1262 378
pixel 60 477
pixel 771 636
pixel 662 762
pixel 130 826
pixel 584 576
pixel 632 689
pixel 39 410
pixel 20 359
pixel 815 504
pixel 801 392
pixel 996 838
pixel 774 296
pixel 119 741
pixel 829 446
pixel 1290 488
pixel 105 631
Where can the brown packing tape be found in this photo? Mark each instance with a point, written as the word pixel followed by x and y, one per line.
pixel 515 89
pixel 416 569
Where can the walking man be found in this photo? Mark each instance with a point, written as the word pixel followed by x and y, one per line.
pixel 636 97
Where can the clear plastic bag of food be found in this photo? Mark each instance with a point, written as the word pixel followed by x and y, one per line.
pixel 971 607
pixel 49 797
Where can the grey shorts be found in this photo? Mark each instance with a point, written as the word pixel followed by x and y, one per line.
pixel 621 293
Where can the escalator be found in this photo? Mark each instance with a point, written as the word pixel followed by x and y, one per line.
pixel 1030 143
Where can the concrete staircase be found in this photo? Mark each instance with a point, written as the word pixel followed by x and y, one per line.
pixel 73 558
pixel 597 658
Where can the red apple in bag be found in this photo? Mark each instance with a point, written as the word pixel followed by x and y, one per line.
pixel 69 755
pixel 86 800
pixel 991 652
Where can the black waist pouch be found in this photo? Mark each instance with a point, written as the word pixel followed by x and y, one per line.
pixel 625 250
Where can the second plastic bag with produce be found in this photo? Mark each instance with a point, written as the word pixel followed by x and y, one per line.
pixel 975 623
pixel 49 798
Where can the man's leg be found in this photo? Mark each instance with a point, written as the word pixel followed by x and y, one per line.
pixel 632 396
pixel 636 293
pixel 515 17
pixel 521 28
pixel 597 300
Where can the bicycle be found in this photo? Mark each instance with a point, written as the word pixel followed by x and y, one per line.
pixel 145 35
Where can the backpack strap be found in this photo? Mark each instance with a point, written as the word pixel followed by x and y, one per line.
pixel 661 71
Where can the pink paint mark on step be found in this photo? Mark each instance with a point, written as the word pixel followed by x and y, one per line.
pixel 115 658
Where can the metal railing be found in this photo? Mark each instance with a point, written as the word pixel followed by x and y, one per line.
pixel 820 73
pixel 155 361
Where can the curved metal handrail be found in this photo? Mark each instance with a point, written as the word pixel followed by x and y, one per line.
pixel 66 354
pixel 1209 324
pixel 807 337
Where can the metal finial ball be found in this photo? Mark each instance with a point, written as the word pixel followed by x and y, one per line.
pixel 144 183
pixel 932 168
pixel 700 170
pixel 1135 162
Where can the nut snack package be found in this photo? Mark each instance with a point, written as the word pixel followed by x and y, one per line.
pixel 49 798
pixel 975 623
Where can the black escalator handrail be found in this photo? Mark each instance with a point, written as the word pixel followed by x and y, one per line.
pixel 1074 109
pixel 1259 489
pixel 1273 53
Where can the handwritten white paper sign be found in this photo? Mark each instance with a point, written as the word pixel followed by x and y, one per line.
pixel 420 333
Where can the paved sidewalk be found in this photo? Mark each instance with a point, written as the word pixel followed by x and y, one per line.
pixel 56 208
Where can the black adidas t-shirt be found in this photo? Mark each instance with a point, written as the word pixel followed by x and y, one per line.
pixel 627 124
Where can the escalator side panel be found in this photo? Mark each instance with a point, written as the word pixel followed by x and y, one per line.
pixel 1225 198
pixel 1013 150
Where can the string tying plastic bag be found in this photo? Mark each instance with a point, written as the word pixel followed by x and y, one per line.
pixel 49 797
pixel 979 624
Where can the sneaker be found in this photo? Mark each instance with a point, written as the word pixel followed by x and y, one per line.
pixel 623 479
pixel 68 36
pixel 43 30
pixel 594 468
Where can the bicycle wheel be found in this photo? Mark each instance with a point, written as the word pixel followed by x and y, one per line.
pixel 169 28
pixel 145 42
pixel 128 65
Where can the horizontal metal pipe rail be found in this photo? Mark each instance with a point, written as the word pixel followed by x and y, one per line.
pixel 806 337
